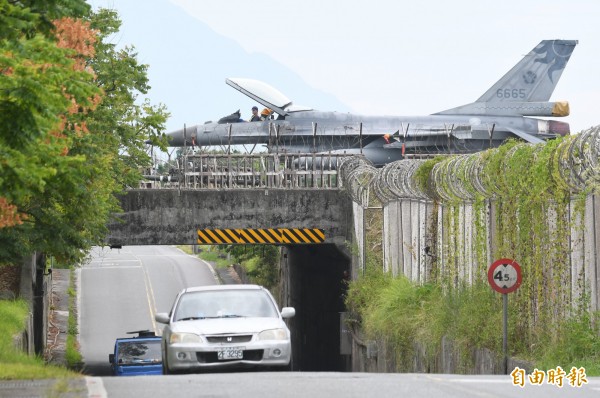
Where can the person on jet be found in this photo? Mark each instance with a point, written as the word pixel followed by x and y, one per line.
pixel 255 117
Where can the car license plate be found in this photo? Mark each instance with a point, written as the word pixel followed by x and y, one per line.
pixel 230 353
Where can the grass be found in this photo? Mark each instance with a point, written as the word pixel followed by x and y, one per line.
pixel 72 354
pixel 403 312
pixel 577 345
pixel 15 364
pixel 186 249
pixel 217 258
pixel 399 312
pixel 211 254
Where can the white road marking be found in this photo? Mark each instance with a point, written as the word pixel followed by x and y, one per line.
pixel 113 259
pixel 478 380
pixel 95 387
pixel 113 266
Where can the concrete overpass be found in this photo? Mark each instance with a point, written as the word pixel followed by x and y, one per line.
pixel 173 216
pixel 270 192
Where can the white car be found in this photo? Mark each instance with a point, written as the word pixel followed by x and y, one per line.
pixel 225 326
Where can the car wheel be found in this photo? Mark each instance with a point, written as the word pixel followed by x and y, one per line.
pixel 290 366
pixel 165 366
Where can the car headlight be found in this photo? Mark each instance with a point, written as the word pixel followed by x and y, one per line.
pixel 273 334
pixel 184 338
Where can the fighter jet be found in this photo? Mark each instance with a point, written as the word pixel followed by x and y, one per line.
pixel 506 110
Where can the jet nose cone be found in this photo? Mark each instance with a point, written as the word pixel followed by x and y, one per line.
pixel 176 138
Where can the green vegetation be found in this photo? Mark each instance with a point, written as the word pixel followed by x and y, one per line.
pixel 261 262
pixel 216 255
pixel 73 134
pixel 406 313
pixel 186 249
pixel 424 171
pixel 402 313
pixel 15 364
pixel 533 224
pixel 72 354
pixel 73 126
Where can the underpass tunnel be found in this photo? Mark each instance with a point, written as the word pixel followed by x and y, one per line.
pixel 315 281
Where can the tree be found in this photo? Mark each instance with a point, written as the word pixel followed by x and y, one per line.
pixel 131 123
pixel 28 18
pixel 72 136
pixel 260 261
pixel 38 86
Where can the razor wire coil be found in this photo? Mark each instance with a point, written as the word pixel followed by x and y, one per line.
pixel 575 164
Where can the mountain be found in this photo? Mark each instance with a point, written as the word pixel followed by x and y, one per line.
pixel 189 62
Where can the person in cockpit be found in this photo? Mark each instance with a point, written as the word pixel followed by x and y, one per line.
pixel 255 117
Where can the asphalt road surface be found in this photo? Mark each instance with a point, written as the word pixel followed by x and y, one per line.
pixel 120 290
pixel 347 385
pixel 295 384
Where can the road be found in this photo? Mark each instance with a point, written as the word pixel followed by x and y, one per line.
pixel 331 384
pixel 294 385
pixel 120 290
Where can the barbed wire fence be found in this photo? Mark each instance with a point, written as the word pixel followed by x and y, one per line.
pixel 457 180
pixel 577 158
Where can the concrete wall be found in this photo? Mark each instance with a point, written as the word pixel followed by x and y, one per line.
pixel 313 276
pixel 34 290
pixel 166 217
pixel 413 235
pixel 378 356
pixel 417 244
pixel 407 246
pixel 411 227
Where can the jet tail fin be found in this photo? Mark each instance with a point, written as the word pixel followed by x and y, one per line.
pixel 534 78
pixel 531 80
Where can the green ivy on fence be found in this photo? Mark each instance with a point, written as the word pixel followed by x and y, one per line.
pixel 523 190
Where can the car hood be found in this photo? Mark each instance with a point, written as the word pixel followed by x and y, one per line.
pixel 227 325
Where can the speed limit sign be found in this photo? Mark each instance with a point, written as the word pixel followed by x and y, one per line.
pixel 505 276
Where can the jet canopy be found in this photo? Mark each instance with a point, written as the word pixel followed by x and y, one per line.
pixel 265 94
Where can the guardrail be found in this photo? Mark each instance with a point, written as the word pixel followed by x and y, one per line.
pixel 255 171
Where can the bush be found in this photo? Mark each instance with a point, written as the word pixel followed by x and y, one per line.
pixel 402 313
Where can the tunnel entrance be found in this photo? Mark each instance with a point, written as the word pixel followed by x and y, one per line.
pixel 315 283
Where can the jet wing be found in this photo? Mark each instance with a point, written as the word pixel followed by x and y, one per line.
pixel 525 136
pixel 455 130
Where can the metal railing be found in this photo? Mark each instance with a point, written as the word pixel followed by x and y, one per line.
pixel 254 171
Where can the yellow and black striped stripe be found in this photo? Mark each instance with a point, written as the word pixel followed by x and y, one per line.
pixel 208 236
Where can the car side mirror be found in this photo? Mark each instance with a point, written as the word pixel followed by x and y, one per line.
pixel 111 358
pixel 288 312
pixel 162 317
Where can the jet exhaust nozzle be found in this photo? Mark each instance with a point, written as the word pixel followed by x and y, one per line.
pixel 560 128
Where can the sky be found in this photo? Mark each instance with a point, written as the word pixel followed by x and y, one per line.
pixel 376 57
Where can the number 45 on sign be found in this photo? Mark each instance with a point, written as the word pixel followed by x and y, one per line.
pixel 504 275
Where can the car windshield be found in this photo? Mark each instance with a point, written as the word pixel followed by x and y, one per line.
pixel 225 304
pixel 139 352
